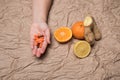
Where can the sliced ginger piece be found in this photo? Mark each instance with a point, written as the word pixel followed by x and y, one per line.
pixel 97 32
pixel 92 32
pixel 89 36
pixel 88 21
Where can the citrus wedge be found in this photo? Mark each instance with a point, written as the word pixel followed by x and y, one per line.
pixel 82 49
pixel 63 34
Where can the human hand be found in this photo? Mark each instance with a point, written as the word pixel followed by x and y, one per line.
pixel 42 29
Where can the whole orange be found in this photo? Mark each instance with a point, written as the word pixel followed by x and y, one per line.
pixel 78 30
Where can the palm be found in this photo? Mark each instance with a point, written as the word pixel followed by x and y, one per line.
pixel 43 29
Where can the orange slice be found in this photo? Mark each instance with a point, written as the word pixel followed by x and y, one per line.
pixel 63 34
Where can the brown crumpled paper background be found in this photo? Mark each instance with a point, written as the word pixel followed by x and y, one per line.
pixel 59 62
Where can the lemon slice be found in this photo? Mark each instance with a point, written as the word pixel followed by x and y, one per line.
pixel 82 49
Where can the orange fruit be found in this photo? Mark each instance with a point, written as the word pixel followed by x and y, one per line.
pixel 78 30
pixel 63 34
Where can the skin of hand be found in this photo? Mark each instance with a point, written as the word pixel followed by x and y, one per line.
pixel 43 29
pixel 40 13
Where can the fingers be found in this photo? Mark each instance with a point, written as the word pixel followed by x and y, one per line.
pixel 34 50
pixel 44 45
pixel 37 51
pixel 38 54
pixel 47 32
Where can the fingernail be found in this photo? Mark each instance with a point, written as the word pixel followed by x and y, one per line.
pixel 38 55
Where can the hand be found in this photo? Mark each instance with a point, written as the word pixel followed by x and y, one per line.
pixel 43 29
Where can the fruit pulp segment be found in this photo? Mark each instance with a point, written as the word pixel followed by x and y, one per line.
pixel 82 49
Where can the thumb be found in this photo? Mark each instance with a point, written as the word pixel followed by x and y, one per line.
pixel 47 32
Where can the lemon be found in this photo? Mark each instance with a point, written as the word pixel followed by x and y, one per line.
pixel 82 49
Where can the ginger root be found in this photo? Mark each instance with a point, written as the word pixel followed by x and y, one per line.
pixel 92 32
pixel 96 32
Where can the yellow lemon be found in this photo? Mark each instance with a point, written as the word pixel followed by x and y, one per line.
pixel 82 49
